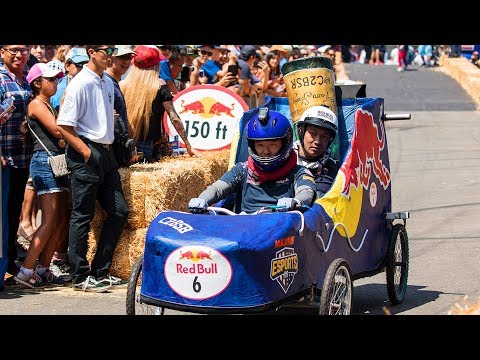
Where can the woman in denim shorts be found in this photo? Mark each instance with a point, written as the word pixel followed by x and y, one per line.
pixel 51 191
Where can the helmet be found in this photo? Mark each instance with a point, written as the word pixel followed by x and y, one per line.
pixel 320 116
pixel 269 125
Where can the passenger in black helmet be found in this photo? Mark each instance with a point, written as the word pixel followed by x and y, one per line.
pixel 317 128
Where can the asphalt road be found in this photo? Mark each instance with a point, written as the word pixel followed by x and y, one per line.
pixel 434 159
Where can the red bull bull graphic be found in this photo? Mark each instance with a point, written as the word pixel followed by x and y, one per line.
pixel 197 272
pixel 365 154
pixel 210 115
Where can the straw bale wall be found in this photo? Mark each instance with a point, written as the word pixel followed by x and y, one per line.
pixel 465 73
pixel 150 189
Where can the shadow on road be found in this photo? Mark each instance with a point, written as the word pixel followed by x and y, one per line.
pixel 372 299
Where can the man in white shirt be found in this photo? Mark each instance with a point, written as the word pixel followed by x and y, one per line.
pixel 86 122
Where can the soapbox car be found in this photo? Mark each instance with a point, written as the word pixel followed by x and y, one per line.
pixel 207 263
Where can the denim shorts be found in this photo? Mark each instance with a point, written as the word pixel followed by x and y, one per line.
pixel 42 175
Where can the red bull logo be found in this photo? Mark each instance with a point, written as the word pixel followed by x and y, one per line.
pixel 367 145
pixel 195 107
pixel 197 272
pixel 195 255
pixel 210 116
pixel 218 109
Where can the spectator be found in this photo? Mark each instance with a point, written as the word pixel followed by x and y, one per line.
pixel 75 59
pixel 14 151
pixel 147 98
pixel 86 121
pixel 52 198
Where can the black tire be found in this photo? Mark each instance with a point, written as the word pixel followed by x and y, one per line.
pixel 397 265
pixel 175 154
pixel 337 291
pixel 134 306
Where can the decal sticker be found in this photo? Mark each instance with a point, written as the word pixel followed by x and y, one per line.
pixel 284 267
pixel 373 194
pixel 178 225
pixel 198 272
pixel 289 241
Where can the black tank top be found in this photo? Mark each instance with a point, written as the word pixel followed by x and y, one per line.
pixel 50 141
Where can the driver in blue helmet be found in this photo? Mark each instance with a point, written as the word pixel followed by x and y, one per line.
pixel 270 176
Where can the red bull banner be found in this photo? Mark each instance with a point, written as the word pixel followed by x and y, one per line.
pixel 210 115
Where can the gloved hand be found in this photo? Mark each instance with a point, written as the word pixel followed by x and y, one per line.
pixel 288 203
pixel 197 206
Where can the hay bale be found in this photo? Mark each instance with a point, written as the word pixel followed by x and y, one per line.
pixel 149 189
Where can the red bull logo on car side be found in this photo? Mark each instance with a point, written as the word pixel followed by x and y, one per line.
pixel 210 115
pixel 197 272
pixel 367 145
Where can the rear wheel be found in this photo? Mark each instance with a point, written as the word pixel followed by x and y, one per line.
pixel 134 304
pixel 397 265
pixel 337 290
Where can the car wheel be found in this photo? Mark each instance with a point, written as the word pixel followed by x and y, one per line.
pixel 337 291
pixel 397 265
pixel 134 303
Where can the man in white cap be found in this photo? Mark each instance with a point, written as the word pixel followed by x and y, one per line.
pixel 317 128
pixel 120 65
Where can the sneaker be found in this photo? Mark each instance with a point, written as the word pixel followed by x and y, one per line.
pixel 48 277
pixel 33 281
pixel 91 285
pixel 113 281
pixel 61 271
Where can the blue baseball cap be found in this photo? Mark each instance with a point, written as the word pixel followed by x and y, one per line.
pixel 77 55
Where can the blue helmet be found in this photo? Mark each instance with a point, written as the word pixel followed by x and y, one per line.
pixel 269 125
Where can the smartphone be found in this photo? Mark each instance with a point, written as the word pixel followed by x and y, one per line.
pixel 201 73
pixel 234 70
pixel 255 64
pixel 185 74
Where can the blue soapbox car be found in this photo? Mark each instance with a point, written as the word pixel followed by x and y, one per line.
pixel 264 262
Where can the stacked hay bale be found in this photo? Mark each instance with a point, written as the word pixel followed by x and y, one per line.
pixel 150 189
pixel 466 74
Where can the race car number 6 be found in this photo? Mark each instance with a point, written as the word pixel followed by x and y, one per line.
pixel 198 272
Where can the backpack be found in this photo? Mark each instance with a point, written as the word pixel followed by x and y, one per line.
pixel 123 145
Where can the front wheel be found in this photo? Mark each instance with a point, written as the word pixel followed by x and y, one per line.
pixel 134 304
pixel 337 290
pixel 397 265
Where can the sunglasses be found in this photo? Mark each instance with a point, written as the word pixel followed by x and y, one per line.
pixel 80 65
pixel 15 51
pixel 108 50
pixel 51 79
pixel 203 52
